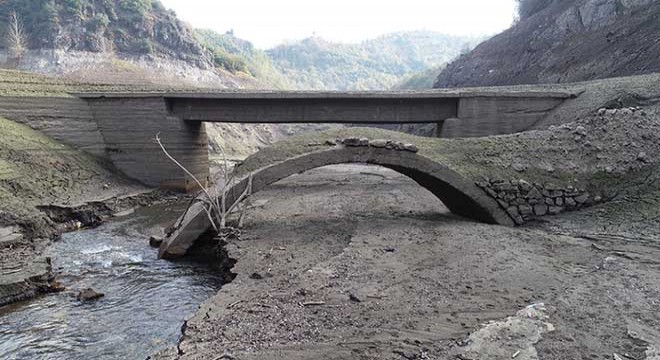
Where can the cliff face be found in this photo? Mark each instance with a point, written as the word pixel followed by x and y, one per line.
pixel 565 41
pixel 136 27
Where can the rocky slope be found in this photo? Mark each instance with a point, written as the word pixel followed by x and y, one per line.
pixel 137 27
pixel 565 41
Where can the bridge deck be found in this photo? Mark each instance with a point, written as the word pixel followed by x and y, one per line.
pixel 271 95
pixel 330 107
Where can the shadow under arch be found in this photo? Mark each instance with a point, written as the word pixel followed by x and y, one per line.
pixel 459 194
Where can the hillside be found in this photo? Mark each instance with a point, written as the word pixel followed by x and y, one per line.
pixel 558 41
pixel 315 63
pixel 136 27
pixel 420 80
pixel 236 54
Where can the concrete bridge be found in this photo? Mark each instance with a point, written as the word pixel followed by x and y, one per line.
pixel 129 122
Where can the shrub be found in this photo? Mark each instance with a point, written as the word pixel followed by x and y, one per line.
pixel 229 62
pixel 98 23
pixel 144 46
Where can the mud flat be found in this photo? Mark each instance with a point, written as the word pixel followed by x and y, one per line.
pixel 356 262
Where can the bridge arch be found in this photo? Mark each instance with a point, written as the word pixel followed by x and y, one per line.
pixel 459 194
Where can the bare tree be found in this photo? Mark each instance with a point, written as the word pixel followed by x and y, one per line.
pixel 214 199
pixel 16 36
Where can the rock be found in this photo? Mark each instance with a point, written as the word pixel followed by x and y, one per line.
pixel 10 240
pixel 55 287
pixel 580 130
pixel 354 298
pixel 519 167
pixel 155 241
pixel 364 142
pixel 534 193
pixel 556 193
pixel 524 186
pixel 256 276
pixel 598 199
pixel 513 211
pixel 330 143
pixel 554 210
pixel 559 201
pixel 378 143
pixel 351 141
pixel 509 197
pixel 525 210
pixel 642 156
pixel 89 295
pixel 601 111
pixel 549 201
pixel 410 147
pixel 570 202
pixel 581 199
pixel 540 209
pixel 491 192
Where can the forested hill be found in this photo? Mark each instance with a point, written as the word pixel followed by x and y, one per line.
pixel 135 41
pixel 315 63
pixel 137 27
pixel 565 41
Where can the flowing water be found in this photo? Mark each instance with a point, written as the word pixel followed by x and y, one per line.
pixel 145 304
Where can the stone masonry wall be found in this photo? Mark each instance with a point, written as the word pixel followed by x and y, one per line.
pixel 524 201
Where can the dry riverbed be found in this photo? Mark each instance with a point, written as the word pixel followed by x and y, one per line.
pixel 356 262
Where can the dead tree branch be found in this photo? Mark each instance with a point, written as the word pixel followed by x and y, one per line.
pixel 16 37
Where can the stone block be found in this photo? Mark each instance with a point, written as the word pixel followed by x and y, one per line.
pixel 540 209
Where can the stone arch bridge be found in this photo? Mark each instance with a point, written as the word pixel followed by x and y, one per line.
pixel 459 193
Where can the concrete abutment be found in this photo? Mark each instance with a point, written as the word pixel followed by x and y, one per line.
pixel 129 128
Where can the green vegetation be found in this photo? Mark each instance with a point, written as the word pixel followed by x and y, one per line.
pixel 127 26
pixel 420 81
pixel 314 63
pixel 234 54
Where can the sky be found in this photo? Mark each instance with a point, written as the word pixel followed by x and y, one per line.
pixel 267 23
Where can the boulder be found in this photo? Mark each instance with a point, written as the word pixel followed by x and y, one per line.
pixel 89 294
pixel 155 241
pixel 378 143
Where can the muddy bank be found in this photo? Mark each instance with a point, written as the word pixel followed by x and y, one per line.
pixel 352 262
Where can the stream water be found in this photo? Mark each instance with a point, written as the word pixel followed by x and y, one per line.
pixel 145 304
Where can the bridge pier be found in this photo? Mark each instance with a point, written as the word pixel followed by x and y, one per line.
pixel 129 127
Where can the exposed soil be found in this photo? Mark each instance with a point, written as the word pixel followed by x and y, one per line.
pixel 354 262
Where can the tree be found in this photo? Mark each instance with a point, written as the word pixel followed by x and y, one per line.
pixel 16 37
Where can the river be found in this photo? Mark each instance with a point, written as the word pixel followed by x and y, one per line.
pixel 145 304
